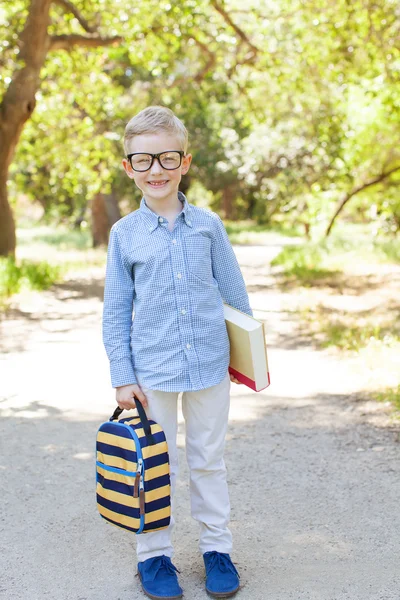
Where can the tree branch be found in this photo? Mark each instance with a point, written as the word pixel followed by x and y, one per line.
pixel 235 27
pixel 210 61
pixel 357 190
pixel 67 42
pixel 69 7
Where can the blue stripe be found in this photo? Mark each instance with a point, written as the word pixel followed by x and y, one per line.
pixel 157 524
pixel 157 504
pixel 117 451
pixel 115 486
pixel 157 482
pixel 156 461
pixel 116 507
pixel 115 429
pixel 119 524
pixel 114 469
pixel 159 437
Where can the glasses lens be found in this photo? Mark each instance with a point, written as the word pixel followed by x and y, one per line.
pixel 141 162
pixel 170 160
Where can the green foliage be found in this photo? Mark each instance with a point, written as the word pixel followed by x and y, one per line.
pixel 391 395
pixel 288 124
pixel 305 263
pixel 347 337
pixel 60 238
pixel 29 275
pixel 389 249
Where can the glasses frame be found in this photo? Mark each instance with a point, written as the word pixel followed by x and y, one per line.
pixel 153 157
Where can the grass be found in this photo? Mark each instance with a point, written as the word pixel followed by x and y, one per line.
pixel 305 263
pixel 348 331
pixel 61 237
pixel 391 395
pixel 310 262
pixel 15 276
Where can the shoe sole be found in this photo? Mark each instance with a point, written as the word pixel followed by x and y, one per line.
pixel 157 597
pixel 222 594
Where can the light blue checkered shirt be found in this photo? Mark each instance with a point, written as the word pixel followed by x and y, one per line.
pixel 175 284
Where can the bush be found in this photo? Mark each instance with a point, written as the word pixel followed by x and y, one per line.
pixel 29 275
pixel 303 262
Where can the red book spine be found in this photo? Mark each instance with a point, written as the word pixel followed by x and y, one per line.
pixel 246 380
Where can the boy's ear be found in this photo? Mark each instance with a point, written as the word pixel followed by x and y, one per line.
pixel 186 163
pixel 127 168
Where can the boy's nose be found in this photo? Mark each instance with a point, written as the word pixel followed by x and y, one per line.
pixel 156 167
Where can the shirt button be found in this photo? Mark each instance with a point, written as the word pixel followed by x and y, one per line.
pixel 179 276
pixel 188 346
pixel 174 241
pixel 161 220
pixel 189 222
pixel 183 311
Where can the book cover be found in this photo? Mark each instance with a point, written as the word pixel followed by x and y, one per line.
pixel 248 355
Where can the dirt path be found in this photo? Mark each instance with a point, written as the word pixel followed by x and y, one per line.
pixel 313 466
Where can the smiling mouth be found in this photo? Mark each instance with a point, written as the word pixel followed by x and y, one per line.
pixel 158 183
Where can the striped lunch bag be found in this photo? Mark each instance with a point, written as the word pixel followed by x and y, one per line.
pixel 133 473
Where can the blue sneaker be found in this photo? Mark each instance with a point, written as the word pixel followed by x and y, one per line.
pixel 159 579
pixel 222 578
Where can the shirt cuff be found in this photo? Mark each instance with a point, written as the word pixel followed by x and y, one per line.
pixel 122 373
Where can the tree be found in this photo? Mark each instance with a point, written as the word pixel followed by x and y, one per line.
pixel 19 100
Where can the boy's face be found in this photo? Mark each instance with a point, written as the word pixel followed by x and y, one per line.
pixel 157 184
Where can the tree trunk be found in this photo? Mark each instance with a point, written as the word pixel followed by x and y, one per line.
pixel 105 212
pixel 7 224
pixel 18 104
pixel 112 208
pixel 228 196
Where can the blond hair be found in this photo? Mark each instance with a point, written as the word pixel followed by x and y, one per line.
pixel 152 120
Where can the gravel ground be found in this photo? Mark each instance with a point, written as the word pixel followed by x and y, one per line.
pixel 313 466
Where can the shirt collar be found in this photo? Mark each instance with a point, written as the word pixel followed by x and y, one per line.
pixel 151 218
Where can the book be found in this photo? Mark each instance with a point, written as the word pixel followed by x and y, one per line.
pixel 248 355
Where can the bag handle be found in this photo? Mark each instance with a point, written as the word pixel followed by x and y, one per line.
pixel 143 419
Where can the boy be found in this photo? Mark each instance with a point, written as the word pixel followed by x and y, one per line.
pixel 172 262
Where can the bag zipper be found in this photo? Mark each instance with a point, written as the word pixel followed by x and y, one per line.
pixel 137 478
pixel 141 476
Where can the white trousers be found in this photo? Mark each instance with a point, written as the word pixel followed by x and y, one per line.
pixel 206 419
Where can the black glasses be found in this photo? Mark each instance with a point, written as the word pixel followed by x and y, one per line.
pixel 143 161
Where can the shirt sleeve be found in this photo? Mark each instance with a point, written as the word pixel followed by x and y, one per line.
pixel 226 270
pixel 119 293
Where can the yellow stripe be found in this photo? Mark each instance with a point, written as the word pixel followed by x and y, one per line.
pixel 154 429
pixel 157 493
pixel 124 499
pixel 156 472
pixel 123 519
pixel 134 421
pixel 128 479
pixel 149 451
pixel 116 461
pixel 128 500
pixel 157 515
pixel 116 440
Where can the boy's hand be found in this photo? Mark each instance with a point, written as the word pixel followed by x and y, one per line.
pixel 233 378
pixel 125 393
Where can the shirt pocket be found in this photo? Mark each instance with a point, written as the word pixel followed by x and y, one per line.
pixel 198 256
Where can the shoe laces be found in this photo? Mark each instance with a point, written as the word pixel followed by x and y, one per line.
pixel 162 563
pixel 222 562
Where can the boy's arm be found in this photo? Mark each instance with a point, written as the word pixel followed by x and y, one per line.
pixel 117 314
pixel 227 271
